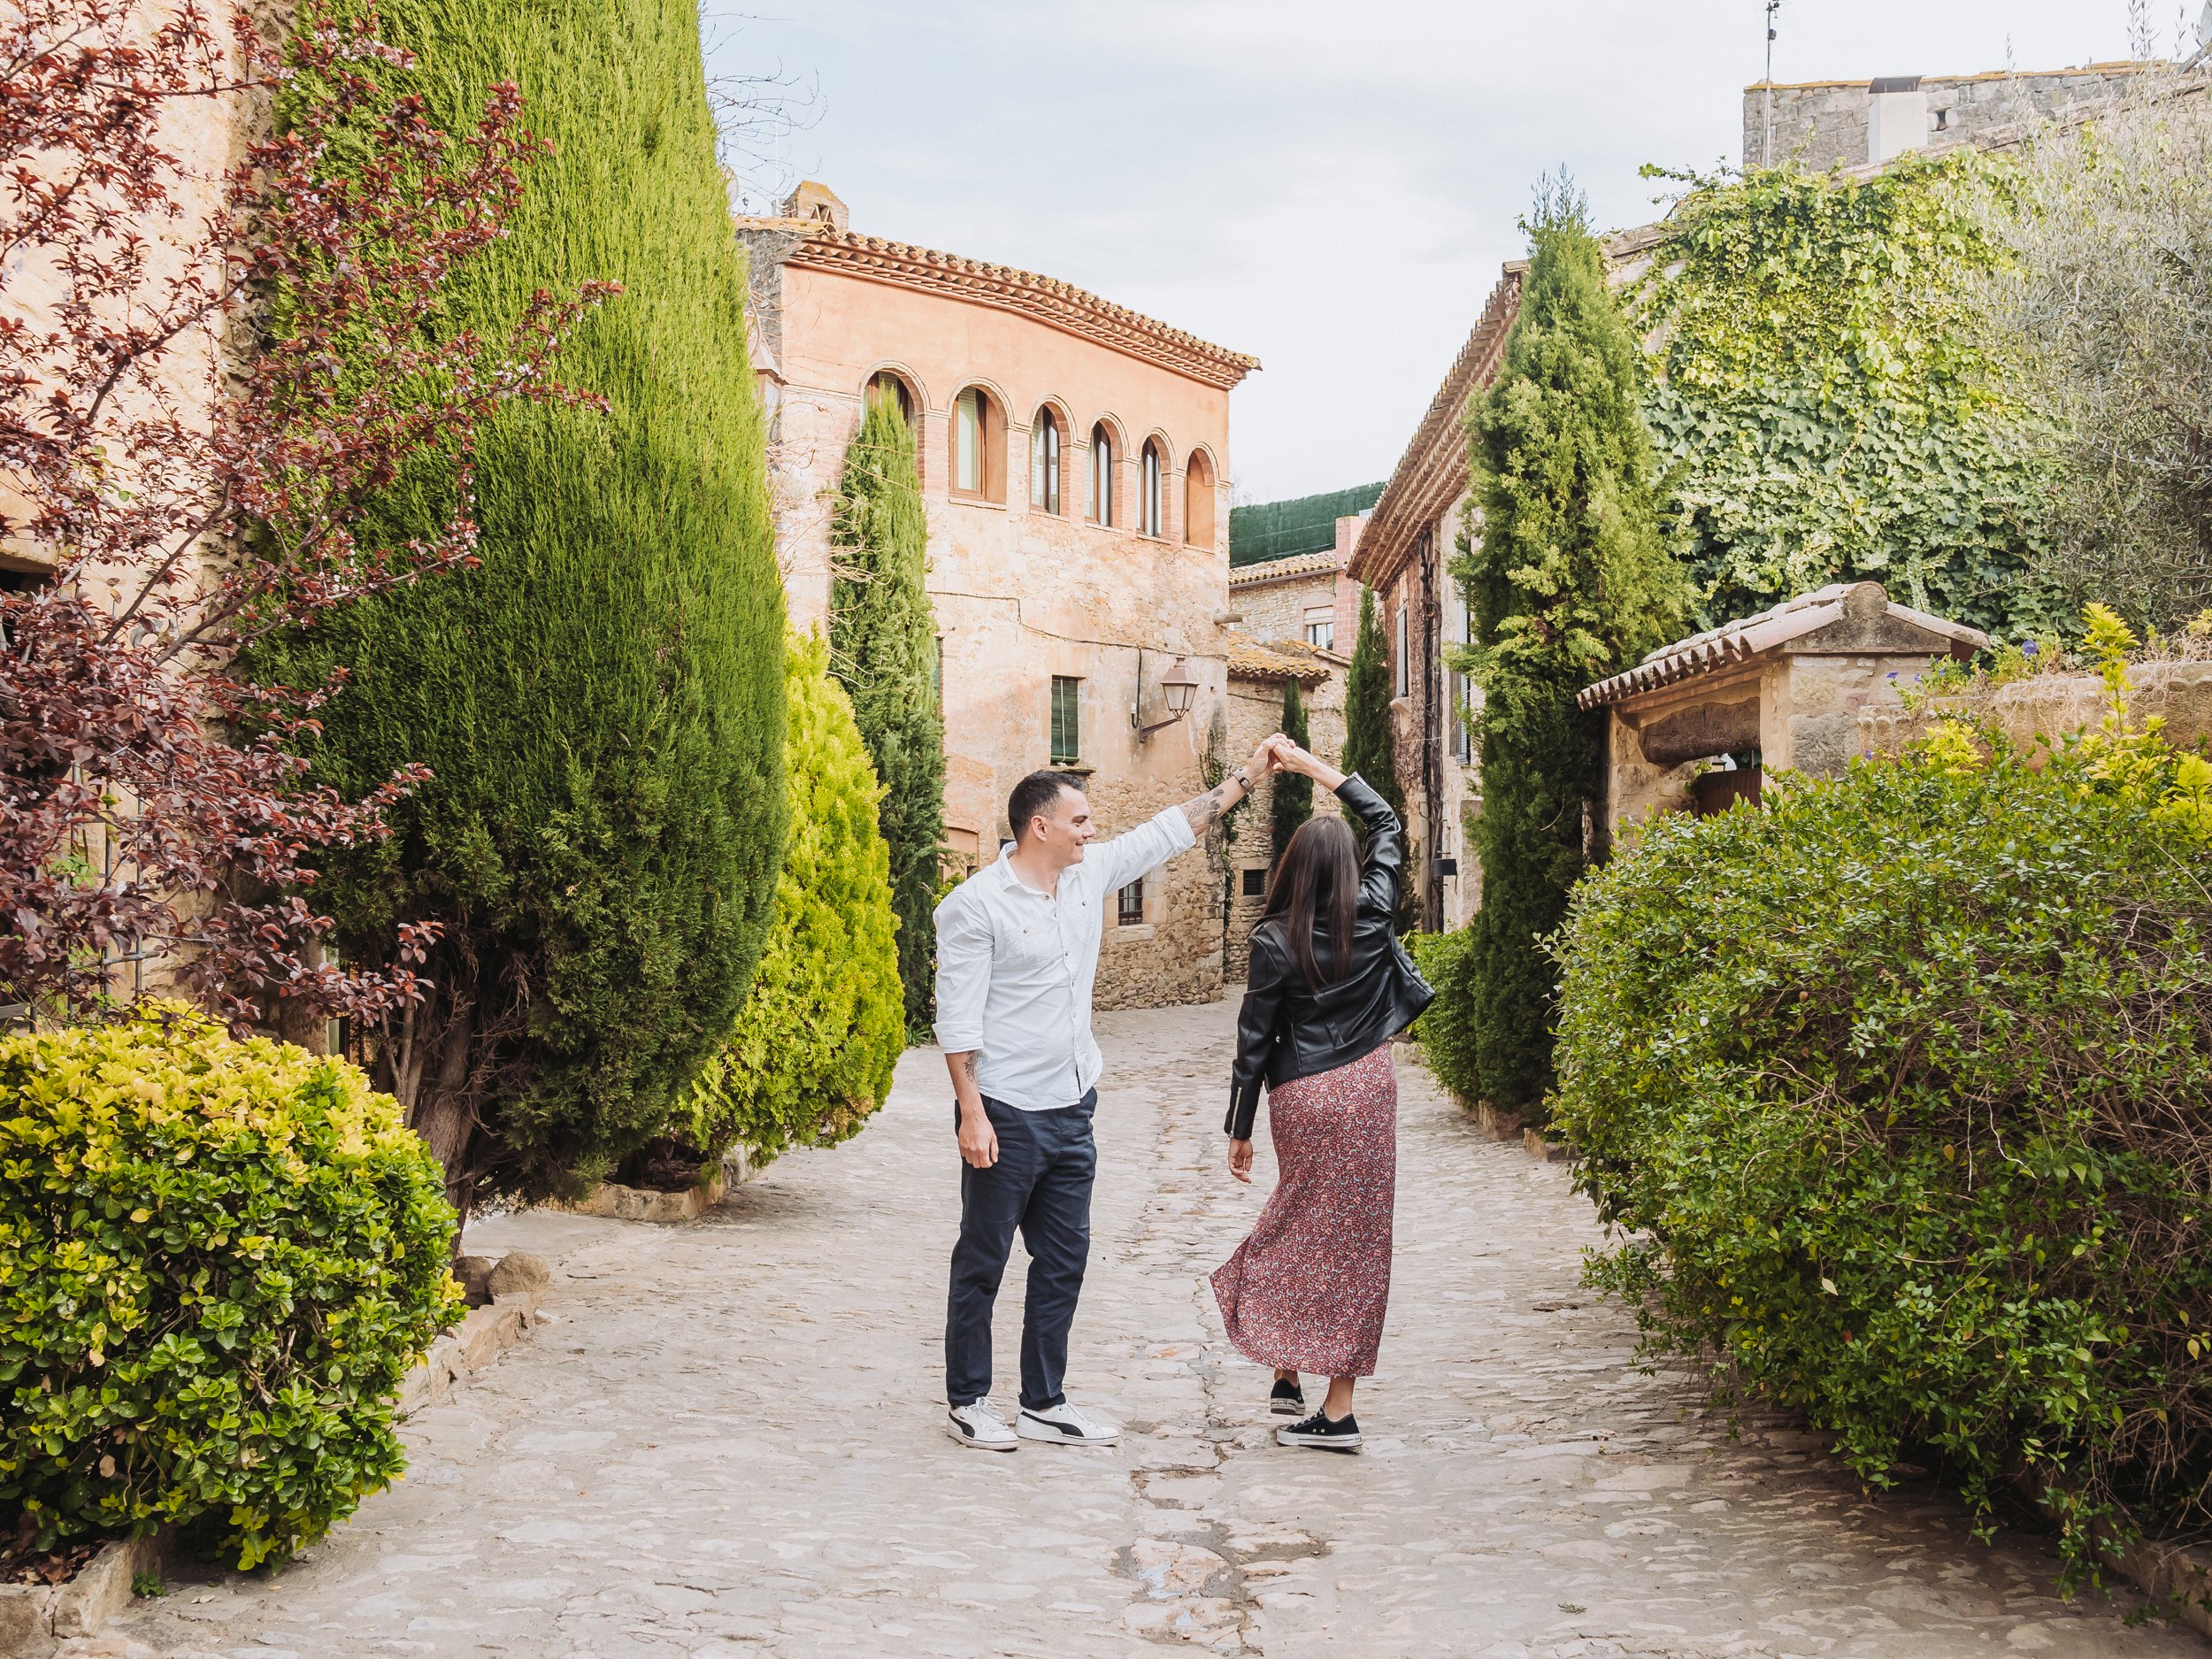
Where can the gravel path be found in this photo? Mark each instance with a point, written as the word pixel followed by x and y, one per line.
pixel 728 1444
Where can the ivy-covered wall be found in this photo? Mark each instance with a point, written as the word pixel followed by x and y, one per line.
pixel 1824 404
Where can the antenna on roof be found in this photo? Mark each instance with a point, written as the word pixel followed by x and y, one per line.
pixel 1766 154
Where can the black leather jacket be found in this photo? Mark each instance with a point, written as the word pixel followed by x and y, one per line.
pixel 1288 1031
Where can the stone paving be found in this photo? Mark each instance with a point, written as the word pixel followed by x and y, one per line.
pixel 728 1444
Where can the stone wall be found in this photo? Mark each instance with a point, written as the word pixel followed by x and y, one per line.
pixel 2051 707
pixel 1279 608
pixel 1822 124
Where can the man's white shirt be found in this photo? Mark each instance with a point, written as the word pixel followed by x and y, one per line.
pixel 1016 967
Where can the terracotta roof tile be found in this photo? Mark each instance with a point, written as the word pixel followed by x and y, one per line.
pixel 1739 642
pixel 821 246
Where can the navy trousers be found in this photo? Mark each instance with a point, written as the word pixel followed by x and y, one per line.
pixel 1041 1185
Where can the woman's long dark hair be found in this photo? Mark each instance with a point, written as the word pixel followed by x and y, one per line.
pixel 1317 876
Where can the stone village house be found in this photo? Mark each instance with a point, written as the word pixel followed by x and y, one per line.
pixel 1295 609
pixel 1075 458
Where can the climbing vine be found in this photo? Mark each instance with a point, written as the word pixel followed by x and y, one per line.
pixel 1823 403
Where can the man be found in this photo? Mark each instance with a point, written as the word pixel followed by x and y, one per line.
pixel 1017 956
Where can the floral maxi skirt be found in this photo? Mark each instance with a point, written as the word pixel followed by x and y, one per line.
pixel 1309 1289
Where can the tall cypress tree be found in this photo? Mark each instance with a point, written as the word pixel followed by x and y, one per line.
pixel 602 701
pixel 1369 748
pixel 1290 801
pixel 1567 582
pixel 883 649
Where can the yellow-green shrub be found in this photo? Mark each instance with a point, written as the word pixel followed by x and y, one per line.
pixel 814 1046
pixel 217 1259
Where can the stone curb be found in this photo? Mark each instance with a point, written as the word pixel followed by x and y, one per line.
pixel 2178 1575
pixel 34 1618
pixel 618 1202
pixel 1504 1126
pixel 516 1283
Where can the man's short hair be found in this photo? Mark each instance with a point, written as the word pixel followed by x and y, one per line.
pixel 1036 794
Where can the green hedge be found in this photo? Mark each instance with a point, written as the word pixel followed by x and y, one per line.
pixel 815 1045
pixel 218 1260
pixel 1446 1031
pixel 1897 1091
pixel 602 701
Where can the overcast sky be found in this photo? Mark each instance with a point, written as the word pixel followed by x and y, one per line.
pixel 1330 187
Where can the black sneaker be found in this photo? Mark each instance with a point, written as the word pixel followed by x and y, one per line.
pixel 1288 1400
pixel 1321 1433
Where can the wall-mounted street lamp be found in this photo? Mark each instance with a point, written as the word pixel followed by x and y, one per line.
pixel 1178 689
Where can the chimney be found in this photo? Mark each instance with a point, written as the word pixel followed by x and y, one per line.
pixel 1896 117
pixel 817 201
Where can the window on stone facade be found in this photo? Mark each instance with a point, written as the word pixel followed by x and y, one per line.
pixel 1321 627
pixel 1148 507
pixel 1129 908
pixel 978 447
pixel 1404 675
pixel 1198 500
pixel 1255 883
pixel 1462 739
pixel 1067 725
pixel 1044 462
pixel 1098 491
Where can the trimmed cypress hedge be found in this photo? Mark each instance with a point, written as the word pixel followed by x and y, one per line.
pixel 1290 801
pixel 883 649
pixel 1369 748
pixel 601 701
pixel 1566 581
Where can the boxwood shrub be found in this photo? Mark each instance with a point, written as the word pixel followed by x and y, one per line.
pixel 1899 1094
pixel 217 1259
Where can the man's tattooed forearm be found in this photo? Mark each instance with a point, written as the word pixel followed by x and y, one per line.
pixel 1206 810
pixel 967 1063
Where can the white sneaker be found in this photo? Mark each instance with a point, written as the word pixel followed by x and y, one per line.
pixel 979 1425
pixel 1070 1424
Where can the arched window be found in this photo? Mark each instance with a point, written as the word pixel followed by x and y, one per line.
pixel 1148 508
pixel 1044 462
pixel 887 385
pixel 1098 492
pixel 978 447
pixel 1198 500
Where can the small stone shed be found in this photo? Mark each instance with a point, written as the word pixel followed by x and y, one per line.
pixel 1697 725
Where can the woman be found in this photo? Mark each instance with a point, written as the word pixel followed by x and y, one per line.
pixel 1329 986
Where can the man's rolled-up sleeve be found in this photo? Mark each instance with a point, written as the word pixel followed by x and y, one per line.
pixel 1144 848
pixel 964 975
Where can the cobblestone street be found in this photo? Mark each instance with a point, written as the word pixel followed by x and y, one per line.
pixel 728 1443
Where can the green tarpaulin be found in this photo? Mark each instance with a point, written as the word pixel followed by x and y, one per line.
pixel 1284 529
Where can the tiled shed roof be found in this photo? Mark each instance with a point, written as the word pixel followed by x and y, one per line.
pixel 1734 642
pixel 1276 570
pixel 1280 659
